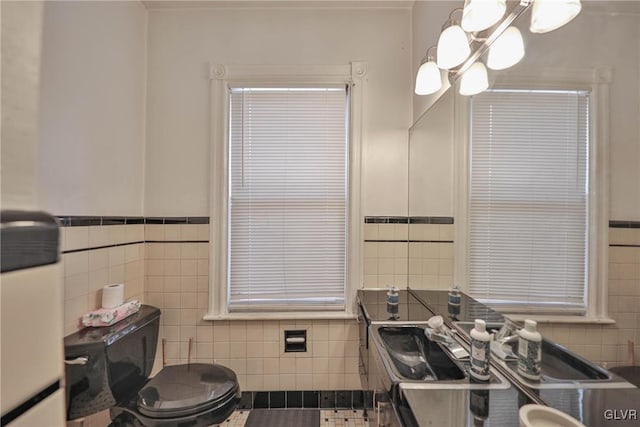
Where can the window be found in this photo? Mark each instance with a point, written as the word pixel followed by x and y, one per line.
pixel 285 190
pixel 287 198
pixel 532 202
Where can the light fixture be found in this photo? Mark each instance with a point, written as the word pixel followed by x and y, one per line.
pixel 453 45
pixel 479 15
pixel 474 80
pixel 428 80
pixel 507 50
pixel 503 42
pixel 548 15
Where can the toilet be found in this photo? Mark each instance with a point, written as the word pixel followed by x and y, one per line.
pixel 109 368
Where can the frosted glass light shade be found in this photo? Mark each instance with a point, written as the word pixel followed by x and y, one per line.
pixel 479 15
pixel 548 15
pixel 453 47
pixel 428 80
pixel 474 80
pixel 507 50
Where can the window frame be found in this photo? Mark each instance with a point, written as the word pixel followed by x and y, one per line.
pixel 222 78
pixel 595 81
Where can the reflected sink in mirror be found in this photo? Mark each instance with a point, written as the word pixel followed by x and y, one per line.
pixel 560 368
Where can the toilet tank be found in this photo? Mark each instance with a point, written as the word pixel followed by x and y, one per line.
pixel 108 365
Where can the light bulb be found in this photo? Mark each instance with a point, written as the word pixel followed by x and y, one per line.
pixel 474 80
pixel 453 47
pixel 548 15
pixel 428 80
pixel 507 50
pixel 479 15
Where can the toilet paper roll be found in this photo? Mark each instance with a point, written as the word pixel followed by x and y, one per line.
pixel 112 295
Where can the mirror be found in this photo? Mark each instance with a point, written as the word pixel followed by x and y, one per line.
pixel 602 44
pixel 431 142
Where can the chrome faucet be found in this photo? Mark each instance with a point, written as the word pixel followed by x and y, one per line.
pixel 438 332
pixel 507 333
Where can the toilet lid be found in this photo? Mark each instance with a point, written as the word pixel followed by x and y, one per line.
pixel 182 388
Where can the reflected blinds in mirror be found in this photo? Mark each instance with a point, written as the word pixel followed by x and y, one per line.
pixel 287 199
pixel 528 199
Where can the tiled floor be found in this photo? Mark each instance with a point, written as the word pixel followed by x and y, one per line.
pixel 343 418
pixel 237 419
pixel 328 418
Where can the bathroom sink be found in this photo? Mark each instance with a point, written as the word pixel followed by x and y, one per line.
pixel 404 354
pixel 560 368
pixel 416 357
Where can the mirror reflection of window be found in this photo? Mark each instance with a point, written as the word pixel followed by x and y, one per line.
pixel 529 198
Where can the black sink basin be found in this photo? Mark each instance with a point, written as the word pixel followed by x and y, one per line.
pixel 416 357
pixel 560 368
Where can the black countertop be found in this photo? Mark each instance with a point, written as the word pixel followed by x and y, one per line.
pixel 468 311
pixel 410 309
pixel 420 305
pixel 498 407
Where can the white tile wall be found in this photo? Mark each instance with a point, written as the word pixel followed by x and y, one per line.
pixel 177 282
pixel 87 271
pixel 422 265
pixel 608 344
pixel 174 277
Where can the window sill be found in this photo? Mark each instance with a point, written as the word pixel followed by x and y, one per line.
pixel 294 315
pixel 575 319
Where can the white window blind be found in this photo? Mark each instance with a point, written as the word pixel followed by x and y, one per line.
pixel 287 199
pixel 528 199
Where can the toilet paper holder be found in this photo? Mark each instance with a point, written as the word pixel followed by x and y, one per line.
pixel 295 341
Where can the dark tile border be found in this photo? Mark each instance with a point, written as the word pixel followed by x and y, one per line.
pixel 84 220
pixel 277 400
pixel 408 241
pixel 77 221
pixel 294 399
pixel 624 224
pixel 448 220
pixel 311 399
pixel 325 399
pixel 408 220
pixel 260 400
pixel 103 247
pixel 176 241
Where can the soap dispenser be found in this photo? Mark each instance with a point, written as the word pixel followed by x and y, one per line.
pixel 529 351
pixel 393 298
pixel 453 302
pixel 480 351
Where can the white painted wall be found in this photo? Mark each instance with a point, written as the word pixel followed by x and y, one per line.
pixel 431 161
pixel 21 42
pixel 603 39
pixel 428 18
pixel 182 42
pixel 91 148
pixel 601 36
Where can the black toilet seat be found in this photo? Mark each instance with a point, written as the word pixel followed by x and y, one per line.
pixel 185 390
